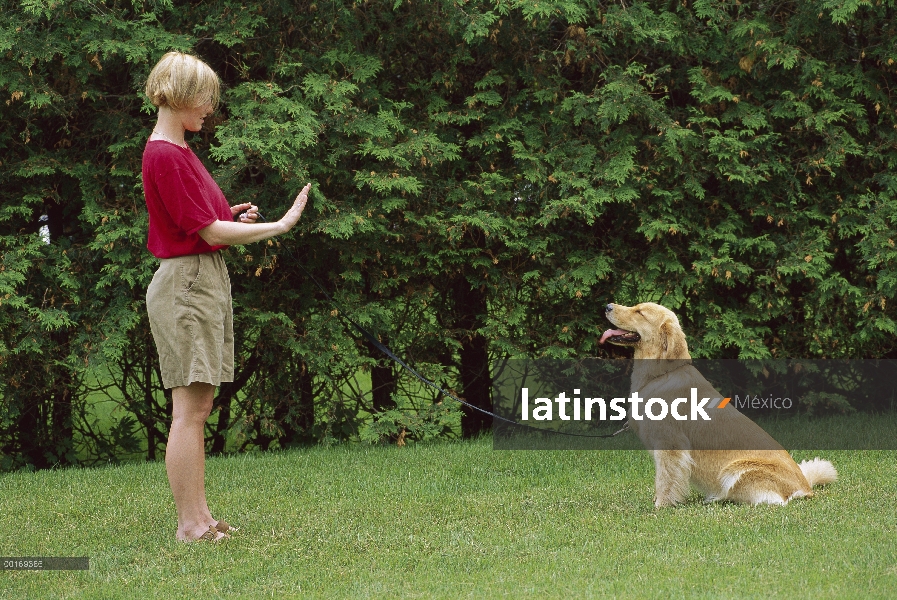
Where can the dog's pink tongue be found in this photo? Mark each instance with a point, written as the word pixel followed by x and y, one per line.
pixel 609 333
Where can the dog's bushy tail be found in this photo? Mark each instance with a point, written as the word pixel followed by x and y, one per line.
pixel 818 471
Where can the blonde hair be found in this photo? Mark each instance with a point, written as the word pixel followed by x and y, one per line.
pixel 182 81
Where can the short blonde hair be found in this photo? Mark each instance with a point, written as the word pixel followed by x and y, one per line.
pixel 182 81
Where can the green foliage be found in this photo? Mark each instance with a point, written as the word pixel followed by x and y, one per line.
pixel 399 427
pixel 486 177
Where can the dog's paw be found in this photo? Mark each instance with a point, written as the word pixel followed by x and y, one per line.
pixel 663 502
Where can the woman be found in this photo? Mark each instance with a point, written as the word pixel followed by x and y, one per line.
pixel 188 300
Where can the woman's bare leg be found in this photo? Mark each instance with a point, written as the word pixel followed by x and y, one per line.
pixel 185 458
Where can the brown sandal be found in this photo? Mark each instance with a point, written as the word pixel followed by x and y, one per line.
pixel 224 528
pixel 210 536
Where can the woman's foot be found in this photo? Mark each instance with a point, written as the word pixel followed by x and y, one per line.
pixel 199 535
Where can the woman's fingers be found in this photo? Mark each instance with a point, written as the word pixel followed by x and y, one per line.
pixel 302 198
pixel 299 203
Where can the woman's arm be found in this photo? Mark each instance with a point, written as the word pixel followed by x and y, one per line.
pixel 229 233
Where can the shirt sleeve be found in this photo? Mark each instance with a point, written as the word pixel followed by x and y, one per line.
pixel 186 200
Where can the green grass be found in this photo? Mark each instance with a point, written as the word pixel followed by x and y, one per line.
pixel 444 521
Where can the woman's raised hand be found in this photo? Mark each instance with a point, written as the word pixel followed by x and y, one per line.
pixel 292 215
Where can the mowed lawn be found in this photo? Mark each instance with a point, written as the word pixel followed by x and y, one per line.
pixel 448 520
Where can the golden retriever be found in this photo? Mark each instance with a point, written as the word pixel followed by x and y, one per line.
pixel 727 458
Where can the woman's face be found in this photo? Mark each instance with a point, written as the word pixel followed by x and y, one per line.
pixel 192 118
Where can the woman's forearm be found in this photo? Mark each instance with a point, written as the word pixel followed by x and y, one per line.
pixel 229 233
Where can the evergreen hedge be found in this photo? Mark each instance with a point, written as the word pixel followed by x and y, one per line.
pixel 487 176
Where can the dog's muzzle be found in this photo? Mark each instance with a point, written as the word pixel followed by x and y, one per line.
pixel 620 337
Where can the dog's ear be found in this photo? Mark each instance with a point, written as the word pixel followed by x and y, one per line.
pixel 672 341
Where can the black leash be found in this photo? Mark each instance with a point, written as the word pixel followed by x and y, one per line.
pixel 382 348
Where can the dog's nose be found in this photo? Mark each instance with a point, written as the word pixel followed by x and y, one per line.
pixel 608 308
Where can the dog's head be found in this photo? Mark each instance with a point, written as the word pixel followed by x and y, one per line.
pixel 651 329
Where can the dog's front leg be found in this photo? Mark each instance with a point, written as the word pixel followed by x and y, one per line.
pixel 672 480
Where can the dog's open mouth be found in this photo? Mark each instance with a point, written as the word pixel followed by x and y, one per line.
pixel 620 337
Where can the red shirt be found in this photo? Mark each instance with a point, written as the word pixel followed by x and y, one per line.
pixel 181 198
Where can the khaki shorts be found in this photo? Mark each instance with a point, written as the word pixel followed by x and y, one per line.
pixel 191 317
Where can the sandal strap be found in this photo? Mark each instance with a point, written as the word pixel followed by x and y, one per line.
pixel 223 527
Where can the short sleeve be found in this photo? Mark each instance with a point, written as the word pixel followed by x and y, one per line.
pixel 186 201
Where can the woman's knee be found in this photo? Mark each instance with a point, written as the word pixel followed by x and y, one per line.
pixel 193 402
